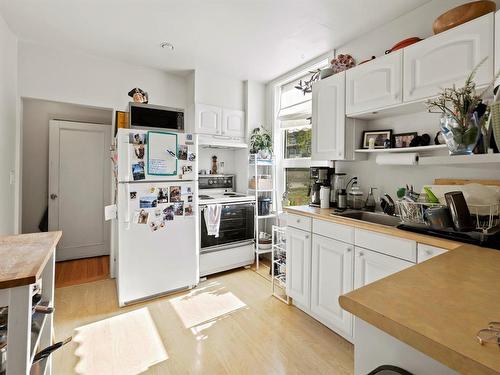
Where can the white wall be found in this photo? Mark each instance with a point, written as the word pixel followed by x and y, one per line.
pixel 418 22
pixel 36 115
pixel 218 89
pixel 71 77
pixel 8 129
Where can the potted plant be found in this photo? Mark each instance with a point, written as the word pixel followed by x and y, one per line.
pixel 464 115
pixel 261 143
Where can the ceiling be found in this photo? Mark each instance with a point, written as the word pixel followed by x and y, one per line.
pixel 247 39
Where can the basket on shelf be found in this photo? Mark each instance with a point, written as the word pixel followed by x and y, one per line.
pixel 262 182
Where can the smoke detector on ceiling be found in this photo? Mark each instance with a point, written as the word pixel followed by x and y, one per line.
pixel 167 45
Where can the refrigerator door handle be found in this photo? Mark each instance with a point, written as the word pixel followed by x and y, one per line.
pixel 127 199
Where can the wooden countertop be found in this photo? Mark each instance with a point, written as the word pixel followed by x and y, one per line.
pixel 438 306
pixel 24 256
pixel 324 214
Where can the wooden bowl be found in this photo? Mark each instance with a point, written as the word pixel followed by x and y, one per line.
pixel 462 14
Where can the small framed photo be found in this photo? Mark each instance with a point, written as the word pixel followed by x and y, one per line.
pixel 403 140
pixel 378 135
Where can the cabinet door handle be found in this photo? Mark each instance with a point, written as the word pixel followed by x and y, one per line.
pixel 361 254
pixel 349 249
pixel 428 252
pixel 298 220
pixel 307 236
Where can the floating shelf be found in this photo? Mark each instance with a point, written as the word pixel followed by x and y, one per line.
pixel 460 159
pixel 401 150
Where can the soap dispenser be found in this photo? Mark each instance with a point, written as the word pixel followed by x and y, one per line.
pixel 370 201
pixel 355 196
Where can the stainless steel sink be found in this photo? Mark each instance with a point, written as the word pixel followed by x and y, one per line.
pixel 371 217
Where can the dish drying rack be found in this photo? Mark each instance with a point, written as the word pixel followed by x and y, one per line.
pixel 278 264
pixel 485 216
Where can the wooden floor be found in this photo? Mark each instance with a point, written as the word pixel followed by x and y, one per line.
pixel 229 324
pixel 79 271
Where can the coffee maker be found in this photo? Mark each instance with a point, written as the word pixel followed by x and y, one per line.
pixel 320 176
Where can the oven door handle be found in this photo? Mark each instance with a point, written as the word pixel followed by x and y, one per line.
pixel 203 206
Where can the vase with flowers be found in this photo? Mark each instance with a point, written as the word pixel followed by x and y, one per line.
pixel 464 114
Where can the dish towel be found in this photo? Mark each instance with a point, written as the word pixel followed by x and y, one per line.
pixel 212 219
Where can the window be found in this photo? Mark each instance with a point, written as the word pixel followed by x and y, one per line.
pixel 293 134
pixel 297 185
pixel 297 143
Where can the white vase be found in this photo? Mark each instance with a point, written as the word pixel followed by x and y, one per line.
pixel 264 154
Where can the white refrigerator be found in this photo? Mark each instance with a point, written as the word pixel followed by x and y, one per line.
pixel 157 202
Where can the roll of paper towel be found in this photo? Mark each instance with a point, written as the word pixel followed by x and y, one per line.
pixel 410 158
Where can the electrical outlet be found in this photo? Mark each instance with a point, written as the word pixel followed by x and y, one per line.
pixel 12 177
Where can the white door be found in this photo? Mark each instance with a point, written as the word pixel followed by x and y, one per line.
pixel 370 266
pixel 208 119
pixel 298 265
pixel 375 85
pixel 233 123
pixel 331 276
pixel 79 187
pixel 448 58
pixel 328 118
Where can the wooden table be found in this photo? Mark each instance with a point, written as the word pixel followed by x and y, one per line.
pixel 25 260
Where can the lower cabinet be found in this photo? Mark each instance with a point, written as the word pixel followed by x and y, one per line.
pixel 331 276
pixel 298 266
pixel 370 266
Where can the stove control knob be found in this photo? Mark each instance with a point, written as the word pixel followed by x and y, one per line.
pixel 210 182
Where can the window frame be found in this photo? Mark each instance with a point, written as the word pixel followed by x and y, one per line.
pixel 274 95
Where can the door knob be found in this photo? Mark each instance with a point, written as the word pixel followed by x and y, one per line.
pixel 53 196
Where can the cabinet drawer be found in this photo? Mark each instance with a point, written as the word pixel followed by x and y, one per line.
pixel 426 252
pixel 394 246
pixel 339 232
pixel 298 221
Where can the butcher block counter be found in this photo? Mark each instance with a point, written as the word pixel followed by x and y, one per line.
pixel 23 257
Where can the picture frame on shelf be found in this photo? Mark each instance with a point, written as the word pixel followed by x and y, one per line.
pixel 403 140
pixel 378 135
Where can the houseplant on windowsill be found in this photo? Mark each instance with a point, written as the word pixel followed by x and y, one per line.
pixel 463 116
pixel 261 143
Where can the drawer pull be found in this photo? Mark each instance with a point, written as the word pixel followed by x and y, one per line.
pixel 298 220
pixel 349 249
pixel 361 254
pixel 307 236
pixel 428 252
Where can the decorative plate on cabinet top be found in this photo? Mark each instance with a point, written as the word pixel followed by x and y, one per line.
pixel 462 14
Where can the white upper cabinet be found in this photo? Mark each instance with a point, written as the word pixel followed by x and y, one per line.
pixel 233 123
pixel 447 58
pixel 376 84
pixel 208 119
pixel 328 118
pixel 331 276
pixel 298 265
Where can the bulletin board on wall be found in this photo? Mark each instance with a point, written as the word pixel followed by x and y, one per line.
pixel 162 153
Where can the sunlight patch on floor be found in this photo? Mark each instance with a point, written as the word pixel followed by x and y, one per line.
pixel 125 344
pixel 204 304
